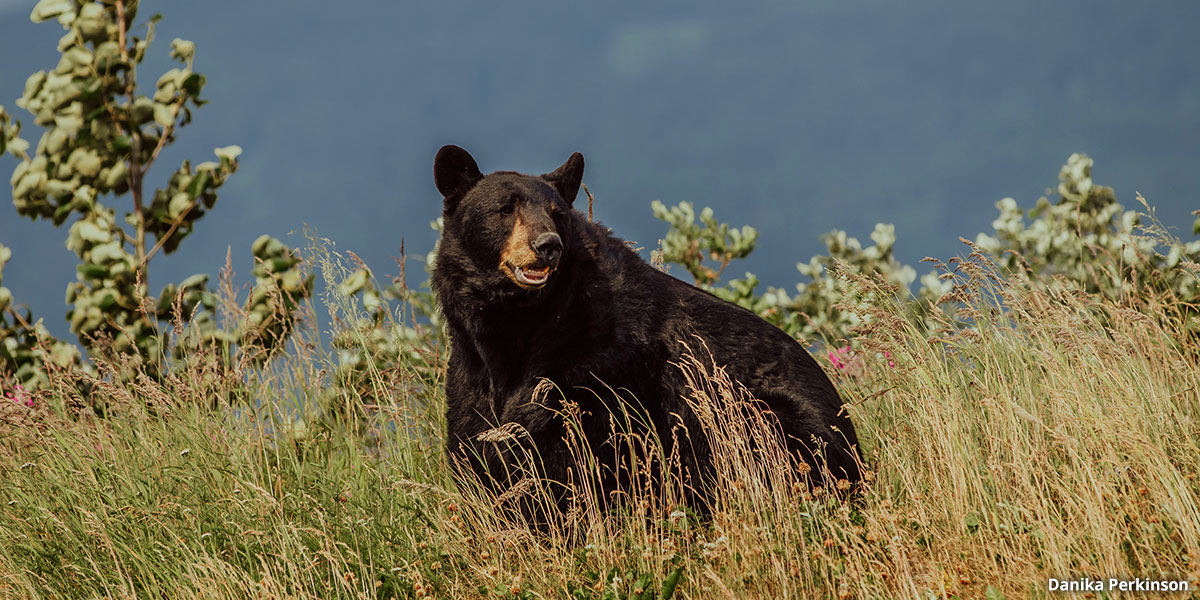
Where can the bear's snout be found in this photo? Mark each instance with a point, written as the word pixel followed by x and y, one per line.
pixel 548 246
pixel 532 251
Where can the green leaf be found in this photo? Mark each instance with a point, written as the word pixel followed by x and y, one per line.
pixel 228 152
pixel 194 282
pixel 60 213
pixel 91 271
pixel 109 252
pixel 79 56
pixel 163 115
pixel 118 173
pixel 55 140
pixel 142 110
pixel 91 11
pixel 170 79
pixel 196 187
pixel 354 283
pixel 107 52
pixel 972 522
pixel 48 9
pixel 259 246
pixel 194 84
pixel 69 121
pixel 87 163
pixel 63 354
pixel 17 146
pixel 266 246
pixel 165 93
pixel 670 583
pixel 89 232
pixel 182 50
pixel 107 299
pixel 91 21
pixel 294 281
pixel 165 298
pixel 991 593
pixel 179 203
pixel 282 263
pixel 33 85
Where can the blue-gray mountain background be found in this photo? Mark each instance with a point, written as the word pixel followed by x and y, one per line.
pixel 793 117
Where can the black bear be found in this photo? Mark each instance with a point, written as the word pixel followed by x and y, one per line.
pixel 531 289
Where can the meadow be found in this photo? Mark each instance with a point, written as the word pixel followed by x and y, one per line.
pixel 1036 433
pixel 1029 415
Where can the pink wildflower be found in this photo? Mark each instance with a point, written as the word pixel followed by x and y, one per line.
pixel 840 358
pixel 20 396
pixel 846 360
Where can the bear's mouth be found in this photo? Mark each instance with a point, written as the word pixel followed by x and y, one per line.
pixel 531 276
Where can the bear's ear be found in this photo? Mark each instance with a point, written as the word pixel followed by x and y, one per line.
pixel 566 178
pixel 454 171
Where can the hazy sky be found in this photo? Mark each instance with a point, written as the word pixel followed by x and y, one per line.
pixel 793 117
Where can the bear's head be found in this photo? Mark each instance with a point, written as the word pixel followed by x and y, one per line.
pixel 510 226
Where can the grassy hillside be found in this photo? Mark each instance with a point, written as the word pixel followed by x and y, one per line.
pixel 1039 435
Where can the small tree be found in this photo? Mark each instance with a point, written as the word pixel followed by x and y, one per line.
pixel 101 137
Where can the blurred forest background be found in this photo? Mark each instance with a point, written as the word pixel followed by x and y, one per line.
pixel 795 118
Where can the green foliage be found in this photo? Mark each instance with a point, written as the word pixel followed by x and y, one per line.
pixel 379 338
pixel 822 308
pixel 828 306
pixel 1087 239
pixel 398 330
pixel 26 348
pixel 615 585
pixel 690 244
pixel 271 311
pixel 101 136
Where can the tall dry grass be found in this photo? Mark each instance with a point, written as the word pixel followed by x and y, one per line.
pixel 1039 434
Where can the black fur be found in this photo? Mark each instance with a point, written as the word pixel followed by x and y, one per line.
pixel 604 317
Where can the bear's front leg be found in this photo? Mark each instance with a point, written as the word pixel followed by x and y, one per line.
pixel 528 459
pixel 471 411
pixel 537 423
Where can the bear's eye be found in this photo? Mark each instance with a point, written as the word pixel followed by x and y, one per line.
pixel 508 209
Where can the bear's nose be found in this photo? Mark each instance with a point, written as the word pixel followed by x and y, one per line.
pixel 548 246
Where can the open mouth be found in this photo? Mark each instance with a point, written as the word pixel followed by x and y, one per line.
pixel 531 276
